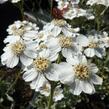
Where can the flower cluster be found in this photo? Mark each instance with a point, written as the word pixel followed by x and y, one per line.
pixel 70 9
pixel 41 54
pixel 58 54
pixel 102 2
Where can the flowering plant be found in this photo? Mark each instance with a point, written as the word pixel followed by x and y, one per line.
pixel 62 57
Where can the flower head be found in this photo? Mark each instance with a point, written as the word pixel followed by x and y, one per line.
pixel 79 74
pixel 23 30
pixel 16 51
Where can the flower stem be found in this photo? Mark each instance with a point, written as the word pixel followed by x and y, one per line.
pixel 98 24
pixel 14 83
pixel 50 102
pixel 21 8
pixel 51 6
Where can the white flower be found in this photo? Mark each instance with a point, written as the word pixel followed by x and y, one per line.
pixel 70 9
pixel 21 30
pixel 46 88
pixel 15 1
pixel 62 4
pixel 58 94
pixel 68 45
pixel 48 43
pixel 104 39
pixel 77 12
pixel 58 26
pixel 103 2
pixel 94 47
pixel 79 74
pixel 17 51
pixel 41 69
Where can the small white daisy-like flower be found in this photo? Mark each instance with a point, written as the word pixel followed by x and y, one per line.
pixel 79 74
pixel 104 39
pixel 46 88
pixel 102 2
pixel 48 43
pixel 77 12
pixel 41 69
pixel 58 26
pixel 21 30
pixel 17 51
pixel 68 45
pixel 94 47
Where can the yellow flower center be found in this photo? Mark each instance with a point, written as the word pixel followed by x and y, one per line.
pixel 93 45
pixel 41 64
pixel 59 22
pixel 46 88
pixel 65 42
pixel 18 31
pixel 18 48
pixel 42 46
pixel 40 35
pixel 82 72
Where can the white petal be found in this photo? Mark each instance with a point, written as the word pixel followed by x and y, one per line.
pixel 87 87
pixel 52 74
pixel 30 53
pixel 11 39
pixel 89 52
pixel 26 61
pixel 67 52
pixel 82 59
pixel 66 74
pixel 77 59
pixel 72 60
pixel 58 93
pixel 53 45
pixel 56 31
pixel 29 35
pixel 38 82
pixel 58 97
pixel 10 60
pixel 45 53
pixel 45 89
pixel 99 52
pixel 66 32
pixel 53 57
pixel 93 68
pixel 30 75
pixel 76 87
pixel 82 40
pixel 96 79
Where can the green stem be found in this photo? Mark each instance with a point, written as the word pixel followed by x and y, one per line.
pixel 13 84
pixel 21 8
pixel 51 6
pixel 102 13
pixel 98 24
pixel 50 102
